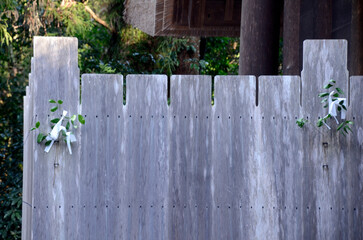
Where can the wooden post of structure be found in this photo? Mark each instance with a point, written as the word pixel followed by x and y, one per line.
pixel 259 37
pixel 356 58
pixel 291 30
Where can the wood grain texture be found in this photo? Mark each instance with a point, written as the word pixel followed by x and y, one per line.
pixel 55 76
pixel 102 167
pixel 147 167
pixel 190 158
pixel 233 116
pixel 325 167
pixel 27 203
pixel 192 170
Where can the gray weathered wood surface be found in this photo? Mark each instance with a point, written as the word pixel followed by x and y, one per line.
pixel 193 170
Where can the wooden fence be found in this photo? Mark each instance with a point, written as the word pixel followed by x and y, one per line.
pixel 193 170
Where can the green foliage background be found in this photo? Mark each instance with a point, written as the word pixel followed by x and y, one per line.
pixel 114 48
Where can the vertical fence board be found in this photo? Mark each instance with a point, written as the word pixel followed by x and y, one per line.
pixel 101 161
pixel 235 101
pixel 280 160
pixel 354 162
pixel 27 166
pixel 146 156
pixel 324 168
pixel 55 188
pixel 190 157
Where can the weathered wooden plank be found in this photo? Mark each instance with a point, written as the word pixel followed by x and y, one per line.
pixel 190 157
pixel 27 165
pixel 279 161
pixel 324 165
pixel 55 174
pixel 102 188
pixel 232 119
pixel 354 163
pixel 147 174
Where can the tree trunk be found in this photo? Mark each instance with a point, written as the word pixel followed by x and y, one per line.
pixel 259 37
pixel 291 30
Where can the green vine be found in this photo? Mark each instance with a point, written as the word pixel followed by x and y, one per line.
pixel 66 131
pixel 336 104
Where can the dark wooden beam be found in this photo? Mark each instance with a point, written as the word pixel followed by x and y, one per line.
pixel 356 58
pixel 260 29
pixel 228 12
pixel 291 30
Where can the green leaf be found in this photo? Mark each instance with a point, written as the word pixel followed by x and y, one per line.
pixel 32 129
pixel 349 122
pixel 54 109
pixel 47 143
pixel 319 123
pixel 326 105
pixel 40 138
pixel 55 120
pixel 339 90
pixel 75 126
pixel 328 86
pixel 73 118
pixel 324 100
pixel 60 101
pixel 332 81
pixel 336 95
pixel 37 125
pixel 81 119
pixel 301 122
pixel 341 102
pixel 323 94
pixel 68 125
pixel 52 101
pixel 340 126
pixel 343 106
pixel 339 108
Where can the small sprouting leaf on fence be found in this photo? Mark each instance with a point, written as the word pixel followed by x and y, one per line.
pixel 301 122
pixel 54 109
pixel 60 101
pixel 323 94
pixel 339 108
pixel 319 123
pixel 75 126
pixel 341 102
pixel 37 125
pixel 324 100
pixel 336 95
pixel 68 125
pixel 349 122
pixel 339 90
pixel 55 120
pixel 328 86
pixel 47 143
pixel 343 106
pixel 32 129
pixel 81 119
pixel 332 81
pixel 40 137
pixel 73 118
pixel 326 105
pixel 340 126
pixel 52 101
